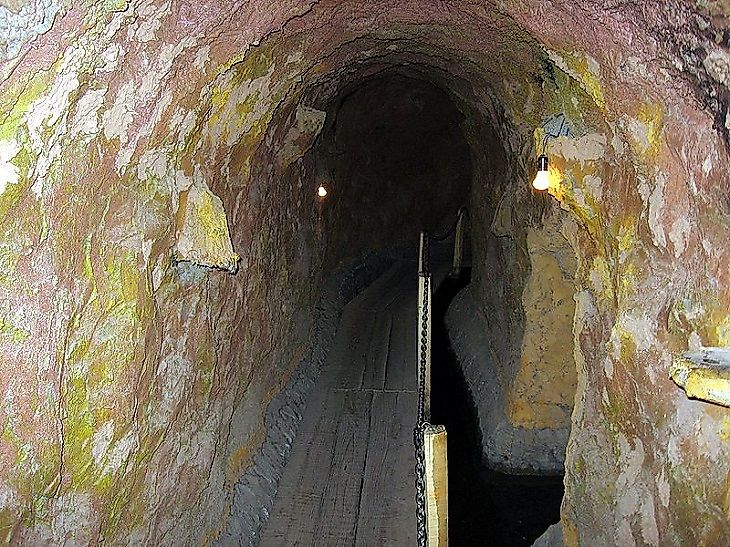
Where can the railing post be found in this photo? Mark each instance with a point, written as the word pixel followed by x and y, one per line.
pixel 437 489
pixel 458 245
pixel 423 352
pixel 421 249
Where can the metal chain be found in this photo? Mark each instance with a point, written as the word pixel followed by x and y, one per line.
pixel 462 211
pixel 421 422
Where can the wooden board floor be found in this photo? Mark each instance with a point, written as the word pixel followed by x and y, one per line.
pixel 350 479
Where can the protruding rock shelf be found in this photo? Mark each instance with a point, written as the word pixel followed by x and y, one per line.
pixel 704 374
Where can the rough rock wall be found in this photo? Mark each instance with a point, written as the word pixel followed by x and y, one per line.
pixel 542 392
pixel 126 375
pixel 513 326
pixel 649 191
pixel 145 146
pixel 132 373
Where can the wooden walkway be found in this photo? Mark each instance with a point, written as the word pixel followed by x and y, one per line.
pixel 350 478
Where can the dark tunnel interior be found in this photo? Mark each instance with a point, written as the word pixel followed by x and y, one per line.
pixel 395 158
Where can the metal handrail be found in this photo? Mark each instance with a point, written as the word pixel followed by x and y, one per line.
pixel 425 238
pixel 430 440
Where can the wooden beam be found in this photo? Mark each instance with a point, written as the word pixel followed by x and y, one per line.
pixel 437 488
pixel 424 286
pixel 421 252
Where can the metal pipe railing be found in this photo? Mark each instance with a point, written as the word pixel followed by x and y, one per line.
pixel 430 441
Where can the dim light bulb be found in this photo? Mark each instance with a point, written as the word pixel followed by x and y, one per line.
pixel 542 178
pixel 321 191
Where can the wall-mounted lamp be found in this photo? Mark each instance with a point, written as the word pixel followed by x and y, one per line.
pixel 322 191
pixel 542 177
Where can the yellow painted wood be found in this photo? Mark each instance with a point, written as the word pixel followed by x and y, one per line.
pixel 421 251
pixel 704 374
pixel 437 489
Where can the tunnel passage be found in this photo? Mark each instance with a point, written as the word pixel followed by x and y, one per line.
pixel 396 158
pixel 396 161
pixel 169 282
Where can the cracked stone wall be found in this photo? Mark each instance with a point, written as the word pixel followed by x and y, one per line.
pixel 149 149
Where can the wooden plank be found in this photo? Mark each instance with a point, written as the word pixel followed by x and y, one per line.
pixel 350 478
pixel 374 373
pixel 400 372
pixel 437 487
pixel 299 500
pixel 346 329
pixel 402 282
pixel 349 366
pixel 337 522
pixel 388 506
pixel 458 245
pixel 371 298
pixel 421 252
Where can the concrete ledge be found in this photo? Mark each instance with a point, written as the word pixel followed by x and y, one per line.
pixel 505 448
pixel 553 537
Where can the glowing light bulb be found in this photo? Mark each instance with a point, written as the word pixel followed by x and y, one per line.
pixel 321 191
pixel 542 181
pixel 542 178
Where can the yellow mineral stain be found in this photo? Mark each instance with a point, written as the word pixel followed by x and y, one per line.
pixel 14 333
pixel 89 267
pixel 555 179
pixel 241 458
pixel 722 331
pixel 646 130
pixel 652 116
pixel 202 230
pixel 626 238
pixel 725 428
pixel 541 392
pixel 602 279
pixel 584 69
pixel 18 100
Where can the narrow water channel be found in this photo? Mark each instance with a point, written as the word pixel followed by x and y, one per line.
pixel 486 508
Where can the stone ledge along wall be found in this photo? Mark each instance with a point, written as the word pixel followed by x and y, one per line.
pixel 150 149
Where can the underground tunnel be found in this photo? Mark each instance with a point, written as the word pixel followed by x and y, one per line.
pixel 184 320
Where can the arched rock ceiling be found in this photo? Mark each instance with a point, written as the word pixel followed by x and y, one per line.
pixel 176 58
